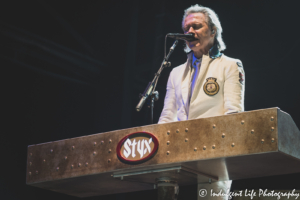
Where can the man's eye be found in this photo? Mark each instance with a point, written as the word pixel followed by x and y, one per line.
pixel 197 27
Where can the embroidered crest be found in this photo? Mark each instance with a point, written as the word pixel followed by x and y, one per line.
pixel 241 78
pixel 211 87
pixel 239 64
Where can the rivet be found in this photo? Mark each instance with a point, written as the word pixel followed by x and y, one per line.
pixel 30 154
pixel 168 152
pixel 213 146
pixel 223 135
pixel 29 173
pixel 72 166
pixel 168 132
pixel 109 150
pixel 109 160
pixel 204 148
pixel 242 122
pixel 79 164
pixel 110 141
pixel 262 141
pixel 195 149
pixel 272 118
pixel 252 131
pixel 36 172
pixel 186 130
pixel 102 142
pixel 51 150
pixel 232 144
pixel 57 168
pixel 66 157
pixel 73 147
pixel 30 163
pixel 86 164
pixel 273 140
pixel 177 131
pixel 95 143
pixel 94 153
pixel 168 142
pixel 186 139
pixel 272 129
pixel 44 161
pixel 214 126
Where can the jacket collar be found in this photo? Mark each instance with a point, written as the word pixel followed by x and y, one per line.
pixel 213 52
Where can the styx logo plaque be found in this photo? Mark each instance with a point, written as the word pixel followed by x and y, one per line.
pixel 137 147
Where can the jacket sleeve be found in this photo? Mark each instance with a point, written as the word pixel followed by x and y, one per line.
pixel 169 111
pixel 234 88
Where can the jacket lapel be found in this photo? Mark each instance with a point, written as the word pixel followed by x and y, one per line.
pixel 185 83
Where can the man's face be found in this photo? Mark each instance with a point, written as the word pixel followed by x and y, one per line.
pixel 196 23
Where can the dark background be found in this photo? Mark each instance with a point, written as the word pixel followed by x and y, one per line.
pixel 74 68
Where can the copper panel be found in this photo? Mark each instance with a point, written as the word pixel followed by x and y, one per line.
pixel 83 166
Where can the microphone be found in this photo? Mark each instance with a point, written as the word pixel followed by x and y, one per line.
pixel 178 36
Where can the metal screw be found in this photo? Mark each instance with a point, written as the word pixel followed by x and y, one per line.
pixel 186 139
pixel 168 152
pixel 272 129
pixel 72 166
pixel 109 150
pixel 252 131
pixel 223 135
pixel 51 150
pixel 57 168
pixel 29 173
pixel 232 144
pixel 44 161
pixel 110 141
pixel 86 164
pixel 109 160
pixel 168 132
pixel 273 140
pixel 66 157
pixel 36 172
pixel 102 142
pixel 79 164
pixel 168 142
pixel 214 146
pixel 95 143
pixel 30 163
pixel 177 131
pixel 186 130
pixel 214 126
pixel 204 148
pixel 94 153
pixel 262 141
pixel 195 149
pixel 272 118
pixel 73 147
pixel 242 122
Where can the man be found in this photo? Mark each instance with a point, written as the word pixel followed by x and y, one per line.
pixel 209 83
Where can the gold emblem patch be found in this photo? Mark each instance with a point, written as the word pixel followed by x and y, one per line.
pixel 211 87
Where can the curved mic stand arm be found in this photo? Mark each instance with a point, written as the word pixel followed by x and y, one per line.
pixel 152 85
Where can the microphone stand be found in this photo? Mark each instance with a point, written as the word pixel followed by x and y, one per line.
pixel 150 89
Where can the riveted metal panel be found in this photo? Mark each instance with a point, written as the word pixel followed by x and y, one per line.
pixel 222 146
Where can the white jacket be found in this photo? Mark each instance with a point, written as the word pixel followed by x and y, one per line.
pixel 219 89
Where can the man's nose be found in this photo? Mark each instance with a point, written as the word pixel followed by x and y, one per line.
pixel 191 30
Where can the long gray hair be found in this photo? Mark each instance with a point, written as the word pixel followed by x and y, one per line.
pixel 212 21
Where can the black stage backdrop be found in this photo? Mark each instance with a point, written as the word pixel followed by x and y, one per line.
pixel 74 68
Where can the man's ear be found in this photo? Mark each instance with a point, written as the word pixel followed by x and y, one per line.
pixel 213 31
